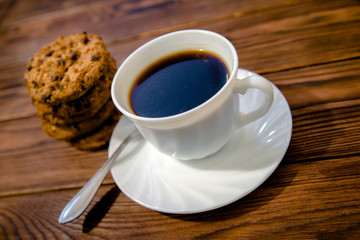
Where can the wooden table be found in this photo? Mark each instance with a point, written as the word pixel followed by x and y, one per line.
pixel 309 49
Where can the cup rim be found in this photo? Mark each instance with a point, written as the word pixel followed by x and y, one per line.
pixel 179 116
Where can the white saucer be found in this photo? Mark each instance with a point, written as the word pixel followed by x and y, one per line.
pixel 168 185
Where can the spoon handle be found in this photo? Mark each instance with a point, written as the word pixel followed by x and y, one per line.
pixel 81 200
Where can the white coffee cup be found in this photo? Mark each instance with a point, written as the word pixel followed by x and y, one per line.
pixel 205 129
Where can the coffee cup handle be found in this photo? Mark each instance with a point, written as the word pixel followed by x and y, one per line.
pixel 241 86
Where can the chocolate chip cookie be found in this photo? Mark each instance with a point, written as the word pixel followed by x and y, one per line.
pixel 100 137
pixel 81 108
pixel 75 130
pixel 67 68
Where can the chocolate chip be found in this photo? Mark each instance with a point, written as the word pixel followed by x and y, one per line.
pixel 95 57
pixel 55 108
pixel 86 40
pixel 49 54
pixel 43 97
pixel 73 56
pixel 29 68
pixel 52 88
pixel 83 87
pixel 54 78
pixel 36 85
pixel 48 97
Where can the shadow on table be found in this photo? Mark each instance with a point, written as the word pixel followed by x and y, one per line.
pixel 98 212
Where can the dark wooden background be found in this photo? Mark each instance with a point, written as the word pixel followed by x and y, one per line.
pixel 309 49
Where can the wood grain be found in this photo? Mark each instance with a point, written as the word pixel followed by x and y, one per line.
pixel 254 54
pixel 322 192
pixel 127 21
pixel 325 104
pixel 113 19
pixel 41 164
pixel 309 49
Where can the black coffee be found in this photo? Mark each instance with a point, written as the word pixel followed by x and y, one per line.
pixel 177 83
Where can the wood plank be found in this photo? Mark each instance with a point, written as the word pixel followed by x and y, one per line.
pixel 262 51
pixel 323 134
pixel 274 41
pixel 307 200
pixel 116 21
pixel 282 42
pixel 111 19
pixel 325 103
pixel 14 99
pixel 35 164
pixel 4 7
pixel 325 127
pixel 27 9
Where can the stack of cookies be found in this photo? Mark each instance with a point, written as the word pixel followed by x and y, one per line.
pixel 69 83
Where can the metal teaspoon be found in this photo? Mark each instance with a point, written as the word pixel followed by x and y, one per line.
pixel 82 199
